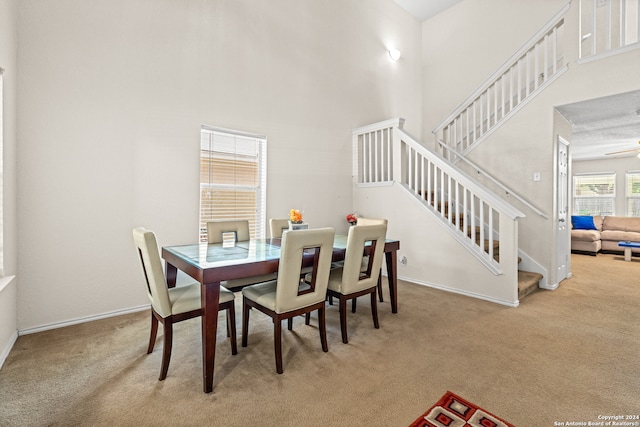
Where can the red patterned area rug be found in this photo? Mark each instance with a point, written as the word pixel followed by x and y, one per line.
pixel 454 411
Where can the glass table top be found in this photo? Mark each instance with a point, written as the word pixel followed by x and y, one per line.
pixel 205 255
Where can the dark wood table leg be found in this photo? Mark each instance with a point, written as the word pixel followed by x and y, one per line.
pixel 210 296
pixel 392 275
pixel 171 273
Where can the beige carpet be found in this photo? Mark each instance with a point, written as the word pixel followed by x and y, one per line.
pixel 565 355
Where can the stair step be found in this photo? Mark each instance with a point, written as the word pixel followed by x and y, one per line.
pixel 528 282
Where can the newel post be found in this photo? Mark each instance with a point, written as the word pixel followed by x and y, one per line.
pixel 398 159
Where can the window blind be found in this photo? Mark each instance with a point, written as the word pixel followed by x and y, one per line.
pixel 594 194
pixel 633 193
pixel 232 178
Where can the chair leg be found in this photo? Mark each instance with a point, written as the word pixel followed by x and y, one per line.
pixel 374 309
pixel 231 327
pixel 153 334
pixel 168 341
pixel 307 318
pixel 245 321
pixel 343 319
pixel 323 329
pixel 380 286
pixel 277 343
pixel 290 323
pixel 353 305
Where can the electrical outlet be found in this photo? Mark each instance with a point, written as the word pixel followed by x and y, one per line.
pixel 403 261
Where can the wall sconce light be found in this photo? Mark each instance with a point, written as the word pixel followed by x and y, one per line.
pixel 394 54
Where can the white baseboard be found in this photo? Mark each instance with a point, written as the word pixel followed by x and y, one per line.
pixel 459 292
pixel 82 320
pixel 8 347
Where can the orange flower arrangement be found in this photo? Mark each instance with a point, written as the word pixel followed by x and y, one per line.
pixel 295 216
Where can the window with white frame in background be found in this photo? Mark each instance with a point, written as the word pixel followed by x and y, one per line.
pixel 594 194
pixel 633 193
pixel 232 178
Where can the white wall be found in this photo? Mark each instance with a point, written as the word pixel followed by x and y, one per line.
pixel 8 62
pixel 434 258
pixel 112 96
pixel 465 45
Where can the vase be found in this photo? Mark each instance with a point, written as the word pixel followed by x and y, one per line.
pixel 298 226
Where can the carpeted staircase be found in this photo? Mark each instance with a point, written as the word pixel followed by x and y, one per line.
pixel 528 281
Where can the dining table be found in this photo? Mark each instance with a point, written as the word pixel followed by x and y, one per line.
pixel 213 263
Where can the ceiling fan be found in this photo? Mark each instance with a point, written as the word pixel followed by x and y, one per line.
pixel 636 150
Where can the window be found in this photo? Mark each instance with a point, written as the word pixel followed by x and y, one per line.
pixel 633 193
pixel 232 178
pixel 594 194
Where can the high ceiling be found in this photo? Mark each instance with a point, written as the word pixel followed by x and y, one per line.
pixel 425 9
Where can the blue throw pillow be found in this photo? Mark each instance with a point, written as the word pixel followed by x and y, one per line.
pixel 582 222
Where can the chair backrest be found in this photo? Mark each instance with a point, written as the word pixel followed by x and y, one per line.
pixel 289 295
pixel 277 226
pixel 217 228
pixel 354 277
pixel 157 290
pixel 371 221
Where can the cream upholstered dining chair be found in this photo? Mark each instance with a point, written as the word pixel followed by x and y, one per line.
pixel 277 226
pixel 365 260
pixel 350 281
pixel 217 229
pixel 171 305
pixel 371 221
pixel 289 296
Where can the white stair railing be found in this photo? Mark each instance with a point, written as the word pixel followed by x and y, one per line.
pixel 474 215
pixel 532 68
pixel 373 152
pixel 608 27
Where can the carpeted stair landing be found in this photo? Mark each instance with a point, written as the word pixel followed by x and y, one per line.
pixel 528 282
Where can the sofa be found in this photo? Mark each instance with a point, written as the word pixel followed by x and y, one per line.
pixel 593 234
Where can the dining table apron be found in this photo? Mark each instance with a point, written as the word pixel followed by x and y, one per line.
pixel 211 264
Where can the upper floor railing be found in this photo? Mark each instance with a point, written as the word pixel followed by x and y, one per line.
pixel 533 67
pixel 608 27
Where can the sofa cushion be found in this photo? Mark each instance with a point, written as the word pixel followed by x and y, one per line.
pixel 620 236
pixel 582 222
pixel 621 223
pixel 585 235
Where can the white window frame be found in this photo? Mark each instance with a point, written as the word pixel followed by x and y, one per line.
pixel 240 145
pixel 595 197
pixel 631 198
